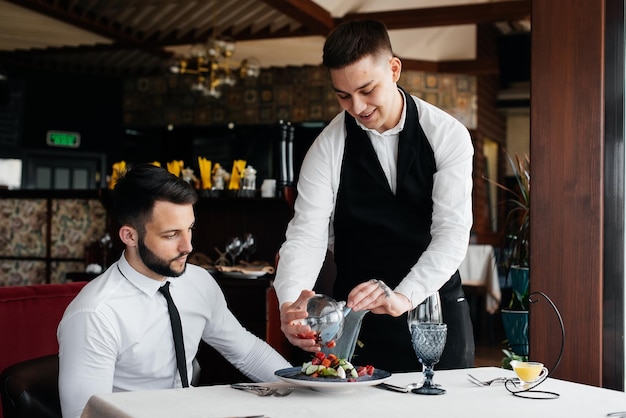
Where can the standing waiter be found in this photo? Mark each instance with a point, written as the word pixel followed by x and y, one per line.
pixel 387 188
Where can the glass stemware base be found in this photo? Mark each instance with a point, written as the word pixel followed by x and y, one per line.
pixel 428 341
pixel 428 387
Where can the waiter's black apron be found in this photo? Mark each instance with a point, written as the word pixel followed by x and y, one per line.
pixel 382 235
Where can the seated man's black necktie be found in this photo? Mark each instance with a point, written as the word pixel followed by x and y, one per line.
pixel 177 331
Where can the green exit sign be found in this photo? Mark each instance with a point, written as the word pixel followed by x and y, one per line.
pixel 63 139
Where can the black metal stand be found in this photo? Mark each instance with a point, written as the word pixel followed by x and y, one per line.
pixel 529 391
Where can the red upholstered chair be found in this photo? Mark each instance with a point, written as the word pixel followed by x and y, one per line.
pixel 29 317
pixel 29 363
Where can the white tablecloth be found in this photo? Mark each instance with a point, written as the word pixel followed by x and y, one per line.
pixel 463 399
pixel 479 269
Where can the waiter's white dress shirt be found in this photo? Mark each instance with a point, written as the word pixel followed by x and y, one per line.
pixel 116 335
pixel 310 232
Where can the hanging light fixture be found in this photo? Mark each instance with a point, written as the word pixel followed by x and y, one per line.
pixel 212 66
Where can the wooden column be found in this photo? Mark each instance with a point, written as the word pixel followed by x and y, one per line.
pixel 568 222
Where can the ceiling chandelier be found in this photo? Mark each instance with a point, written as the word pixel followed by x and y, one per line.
pixel 211 64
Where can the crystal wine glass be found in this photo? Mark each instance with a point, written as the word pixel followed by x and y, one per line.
pixel 428 341
pixel 248 246
pixel 233 248
pixel 428 337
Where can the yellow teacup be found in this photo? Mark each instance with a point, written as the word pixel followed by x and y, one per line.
pixel 529 371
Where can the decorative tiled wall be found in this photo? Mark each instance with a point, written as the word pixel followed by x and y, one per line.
pixel 23 227
pixel 25 248
pixel 295 94
pixel 456 94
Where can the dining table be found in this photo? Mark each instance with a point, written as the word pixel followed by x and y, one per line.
pixel 462 399
pixel 479 269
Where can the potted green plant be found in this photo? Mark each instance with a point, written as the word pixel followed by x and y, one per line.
pixel 515 256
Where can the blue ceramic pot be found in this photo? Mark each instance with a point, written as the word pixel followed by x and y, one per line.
pixel 516 329
pixel 520 278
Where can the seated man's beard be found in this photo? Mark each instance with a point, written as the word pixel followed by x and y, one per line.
pixel 157 264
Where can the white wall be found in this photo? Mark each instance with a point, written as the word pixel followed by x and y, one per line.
pixel 517 135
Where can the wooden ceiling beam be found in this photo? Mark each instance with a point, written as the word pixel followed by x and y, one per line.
pixel 471 67
pixel 314 19
pixel 480 66
pixel 449 15
pixel 311 15
pixel 407 19
pixel 419 65
pixel 95 24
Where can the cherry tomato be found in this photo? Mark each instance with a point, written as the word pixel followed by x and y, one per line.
pixel 365 370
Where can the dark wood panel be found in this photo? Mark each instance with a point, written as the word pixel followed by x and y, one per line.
pixel 246 298
pixel 567 171
pixel 219 219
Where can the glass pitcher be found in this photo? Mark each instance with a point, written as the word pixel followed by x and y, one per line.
pixel 333 321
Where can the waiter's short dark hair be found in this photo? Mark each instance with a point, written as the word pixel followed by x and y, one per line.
pixel 350 41
pixel 140 187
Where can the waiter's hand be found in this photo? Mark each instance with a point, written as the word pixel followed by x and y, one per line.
pixel 376 296
pixel 290 316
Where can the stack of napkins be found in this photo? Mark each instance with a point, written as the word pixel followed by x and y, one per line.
pixel 235 178
pixel 175 167
pixel 205 173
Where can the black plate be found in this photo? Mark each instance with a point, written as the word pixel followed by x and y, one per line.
pixel 294 375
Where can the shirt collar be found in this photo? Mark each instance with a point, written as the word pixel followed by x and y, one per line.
pixel 144 283
pixel 396 129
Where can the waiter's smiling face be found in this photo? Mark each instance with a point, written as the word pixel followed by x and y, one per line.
pixel 367 90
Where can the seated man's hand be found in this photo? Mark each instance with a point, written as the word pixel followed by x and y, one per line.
pixel 377 297
pixel 291 315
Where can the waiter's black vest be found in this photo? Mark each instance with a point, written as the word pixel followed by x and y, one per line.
pixel 377 234
pixel 382 235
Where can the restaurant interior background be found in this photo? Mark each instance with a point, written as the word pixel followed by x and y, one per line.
pixel 123 114
pixel 143 112
pixel 140 115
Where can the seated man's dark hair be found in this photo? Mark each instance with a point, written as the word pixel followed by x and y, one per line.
pixel 137 190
